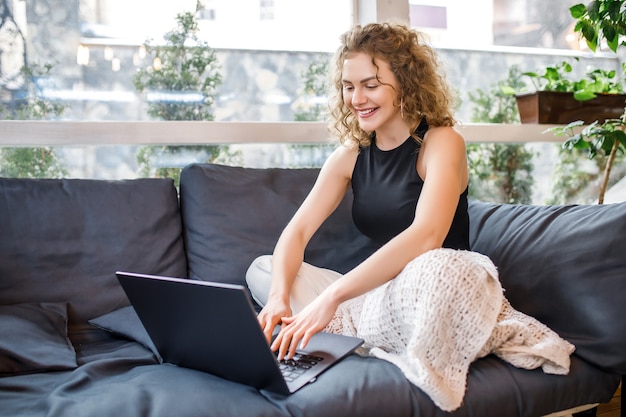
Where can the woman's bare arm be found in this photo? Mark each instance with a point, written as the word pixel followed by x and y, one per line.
pixel 326 194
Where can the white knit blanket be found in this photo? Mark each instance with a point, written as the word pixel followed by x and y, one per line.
pixel 442 312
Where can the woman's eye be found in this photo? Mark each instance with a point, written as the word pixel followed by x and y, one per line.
pixel 371 86
pixel 347 88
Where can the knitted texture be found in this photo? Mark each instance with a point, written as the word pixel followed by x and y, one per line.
pixel 525 342
pixel 443 311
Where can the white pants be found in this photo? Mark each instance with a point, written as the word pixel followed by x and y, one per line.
pixel 309 283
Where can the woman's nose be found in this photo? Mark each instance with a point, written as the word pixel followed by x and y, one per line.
pixel 358 97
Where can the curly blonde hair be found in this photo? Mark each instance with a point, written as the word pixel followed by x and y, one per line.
pixel 423 91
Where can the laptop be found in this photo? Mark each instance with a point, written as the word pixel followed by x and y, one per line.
pixel 212 327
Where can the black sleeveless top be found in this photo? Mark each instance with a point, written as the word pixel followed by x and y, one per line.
pixel 386 188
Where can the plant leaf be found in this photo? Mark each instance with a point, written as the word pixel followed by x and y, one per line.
pixel 620 136
pixel 507 90
pixel 578 10
pixel 594 10
pixel 614 10
pixel 590 33
pixel 567 67
pixel 584 95
pixel 613 43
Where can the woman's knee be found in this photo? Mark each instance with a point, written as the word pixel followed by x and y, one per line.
pixel 261 265
pixel 451 263
pixel 259 278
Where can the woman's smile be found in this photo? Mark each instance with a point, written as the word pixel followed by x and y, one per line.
pixel 367 113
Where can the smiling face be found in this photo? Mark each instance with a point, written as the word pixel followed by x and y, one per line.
pixel 370 92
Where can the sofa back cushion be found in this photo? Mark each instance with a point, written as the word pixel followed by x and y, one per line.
pixel 63 240
pixel 231 215
pixel 564 265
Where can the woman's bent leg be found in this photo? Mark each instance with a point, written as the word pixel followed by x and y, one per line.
pixel 309 283
pixel 433 319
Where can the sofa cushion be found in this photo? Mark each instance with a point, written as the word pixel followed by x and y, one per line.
pixel 63 240
pixel 231 215
pixel 33 338
pixel 365 386
pixel 126 323
pixel 564 265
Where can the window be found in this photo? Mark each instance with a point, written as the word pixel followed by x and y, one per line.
pixel 264 47
pixel 206 14
pixel 534 23
pixel 266 11
pixel 12 50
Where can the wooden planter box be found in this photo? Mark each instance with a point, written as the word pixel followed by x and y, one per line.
pixel 552 107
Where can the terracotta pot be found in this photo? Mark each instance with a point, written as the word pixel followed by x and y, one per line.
pixel 551 107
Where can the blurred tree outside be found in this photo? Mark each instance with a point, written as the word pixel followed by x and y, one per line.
pixel 179 83
pixel 500 173
pixel 577 178
pixel 312 106
pixel 27 103
pixel 572 174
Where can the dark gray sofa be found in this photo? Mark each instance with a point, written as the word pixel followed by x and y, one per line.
pixel 71 346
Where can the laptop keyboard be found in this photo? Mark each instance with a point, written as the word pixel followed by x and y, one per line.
pixel 299 364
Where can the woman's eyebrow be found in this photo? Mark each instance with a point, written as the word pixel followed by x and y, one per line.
pixel 363 81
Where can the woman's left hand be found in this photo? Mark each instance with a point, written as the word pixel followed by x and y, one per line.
pixel 297 330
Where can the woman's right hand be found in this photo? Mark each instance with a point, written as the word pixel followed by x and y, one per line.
pixel 271 315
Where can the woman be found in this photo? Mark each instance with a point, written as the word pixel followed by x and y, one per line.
pixel 407 167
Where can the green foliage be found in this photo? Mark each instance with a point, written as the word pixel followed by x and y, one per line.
pixel 184 74
pixel 31 163
pixel 596 81
pixel 312 107
pixel 499 172
pixel 497 105
pixel 40 162
pixel 601 19
pixel 595 138
pixel 604 142
pixel 553 79
pixel 183 80
pixel 32 106
pixel 571 179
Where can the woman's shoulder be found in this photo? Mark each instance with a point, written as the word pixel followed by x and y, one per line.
pixel 342 159
pixel 439 131
pixel 443 147
pixel 347 150
pixel 446 137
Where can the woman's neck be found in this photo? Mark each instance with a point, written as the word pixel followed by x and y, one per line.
pixel 392 136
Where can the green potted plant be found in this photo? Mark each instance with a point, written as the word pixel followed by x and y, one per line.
pixel 599 95
pixel 559 99
pixel 600 21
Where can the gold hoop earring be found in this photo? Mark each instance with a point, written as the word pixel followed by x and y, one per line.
pixel 401 109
